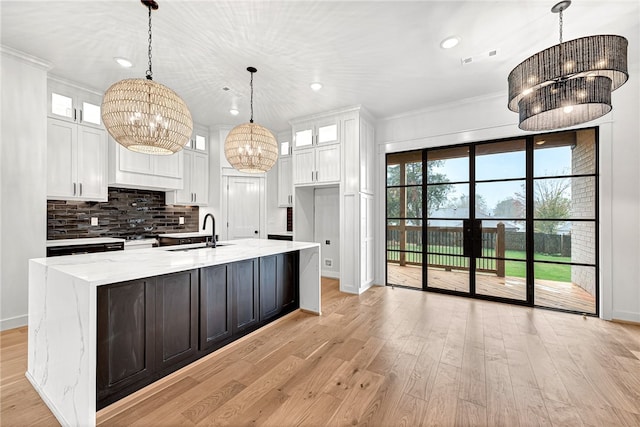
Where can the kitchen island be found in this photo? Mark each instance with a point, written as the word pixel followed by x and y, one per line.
pixel 68 318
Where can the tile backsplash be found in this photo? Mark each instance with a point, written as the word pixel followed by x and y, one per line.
pixel 128 214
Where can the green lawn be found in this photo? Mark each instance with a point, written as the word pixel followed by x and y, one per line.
pixel 556 272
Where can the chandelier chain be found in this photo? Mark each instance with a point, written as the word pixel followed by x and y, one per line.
pixel 150 71
pixel 561 26
pixel 251 84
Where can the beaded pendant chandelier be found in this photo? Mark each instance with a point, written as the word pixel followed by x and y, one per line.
pixel 250 147
pixel 145 116
pixel 569 83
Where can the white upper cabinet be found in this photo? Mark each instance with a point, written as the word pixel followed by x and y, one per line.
pixel 285 182
pixel 199 140
pixel 317 151
pixel 130 169
pixel 73 104
pixel 195 191
pixel 325 131
pixel 76 162
pixel 195 188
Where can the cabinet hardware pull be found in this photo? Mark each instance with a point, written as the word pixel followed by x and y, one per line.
pixel 311 175
pixel 80 116
pixel 80 189
pixel 74 188
pixel 75 114
pixel 195 197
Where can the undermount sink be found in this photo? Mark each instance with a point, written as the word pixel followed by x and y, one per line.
pixel 197 247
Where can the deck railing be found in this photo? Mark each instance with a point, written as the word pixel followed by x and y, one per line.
pixel 445 248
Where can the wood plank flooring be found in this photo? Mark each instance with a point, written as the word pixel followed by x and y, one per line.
pixel 385 358
pixel 548 293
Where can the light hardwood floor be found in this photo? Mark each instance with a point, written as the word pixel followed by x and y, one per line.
pixel 387 357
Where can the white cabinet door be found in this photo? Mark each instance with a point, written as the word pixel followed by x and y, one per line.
pixel 169 166
pixel 285 182
pixel 200 178
pixel 62 139
pixel 184 196
pixel 303 136
pixel 328 163
pixel 132 161
pixel 304 166
pixel 92 163
pixel 328 132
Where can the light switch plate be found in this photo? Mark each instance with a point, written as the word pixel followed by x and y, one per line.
pixel 94 220
pixel 181 220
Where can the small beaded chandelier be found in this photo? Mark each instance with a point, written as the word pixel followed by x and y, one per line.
pixel 145 116
pixel 250 147
pixel 569 83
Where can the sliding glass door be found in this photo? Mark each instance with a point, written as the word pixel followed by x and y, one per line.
pixel 510 220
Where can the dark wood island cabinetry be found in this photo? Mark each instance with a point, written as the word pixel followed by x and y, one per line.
pixel 150 327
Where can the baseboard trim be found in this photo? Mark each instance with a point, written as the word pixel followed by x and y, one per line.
pixel 14 322
pixel 330 274
pixel 626 322
pixel 626 317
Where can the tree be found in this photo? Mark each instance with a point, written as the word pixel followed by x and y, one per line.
pixel 436 195
pixel 463 202
pixel 511 207
pixel 551 201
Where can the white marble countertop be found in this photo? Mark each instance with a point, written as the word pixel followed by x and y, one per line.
pixel 85 241
pixel 281 233
pixel 111 267
pixel 186 235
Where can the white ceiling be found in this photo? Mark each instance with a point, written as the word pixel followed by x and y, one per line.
pixel 384 55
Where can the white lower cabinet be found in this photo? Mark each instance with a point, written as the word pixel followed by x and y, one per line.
pixel 318 165
pixel 195 191
pixel 76 161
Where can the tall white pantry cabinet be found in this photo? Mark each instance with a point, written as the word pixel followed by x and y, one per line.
pixel 348 135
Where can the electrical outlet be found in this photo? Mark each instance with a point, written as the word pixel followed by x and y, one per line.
pixel 94 220
pixel 328 262
pixel 327 242
pixel 181 220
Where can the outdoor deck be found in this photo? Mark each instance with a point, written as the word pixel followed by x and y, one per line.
pixel 548 293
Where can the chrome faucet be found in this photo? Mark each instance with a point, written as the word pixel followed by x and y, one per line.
pixel 212 243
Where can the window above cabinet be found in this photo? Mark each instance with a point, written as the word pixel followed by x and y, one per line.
pixel 199 139
pixel 74 104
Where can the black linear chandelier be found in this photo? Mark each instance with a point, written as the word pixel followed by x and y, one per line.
pixel 569 83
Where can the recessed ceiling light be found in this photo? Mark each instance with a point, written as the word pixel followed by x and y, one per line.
pixel 123 62
pixel 315 86
pixel 450 42
pixel 234 112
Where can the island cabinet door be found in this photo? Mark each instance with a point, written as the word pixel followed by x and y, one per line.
pixel 290 285
pixel 244 283
pixel 215 306
pixel 176 318
pixel 124 339
pixel 271 271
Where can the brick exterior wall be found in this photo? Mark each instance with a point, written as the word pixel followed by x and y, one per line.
pixel 583 236
pixel 127 214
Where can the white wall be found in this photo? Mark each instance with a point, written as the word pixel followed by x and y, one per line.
pixel 487 118
pixel 23 172
pixel 327 228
